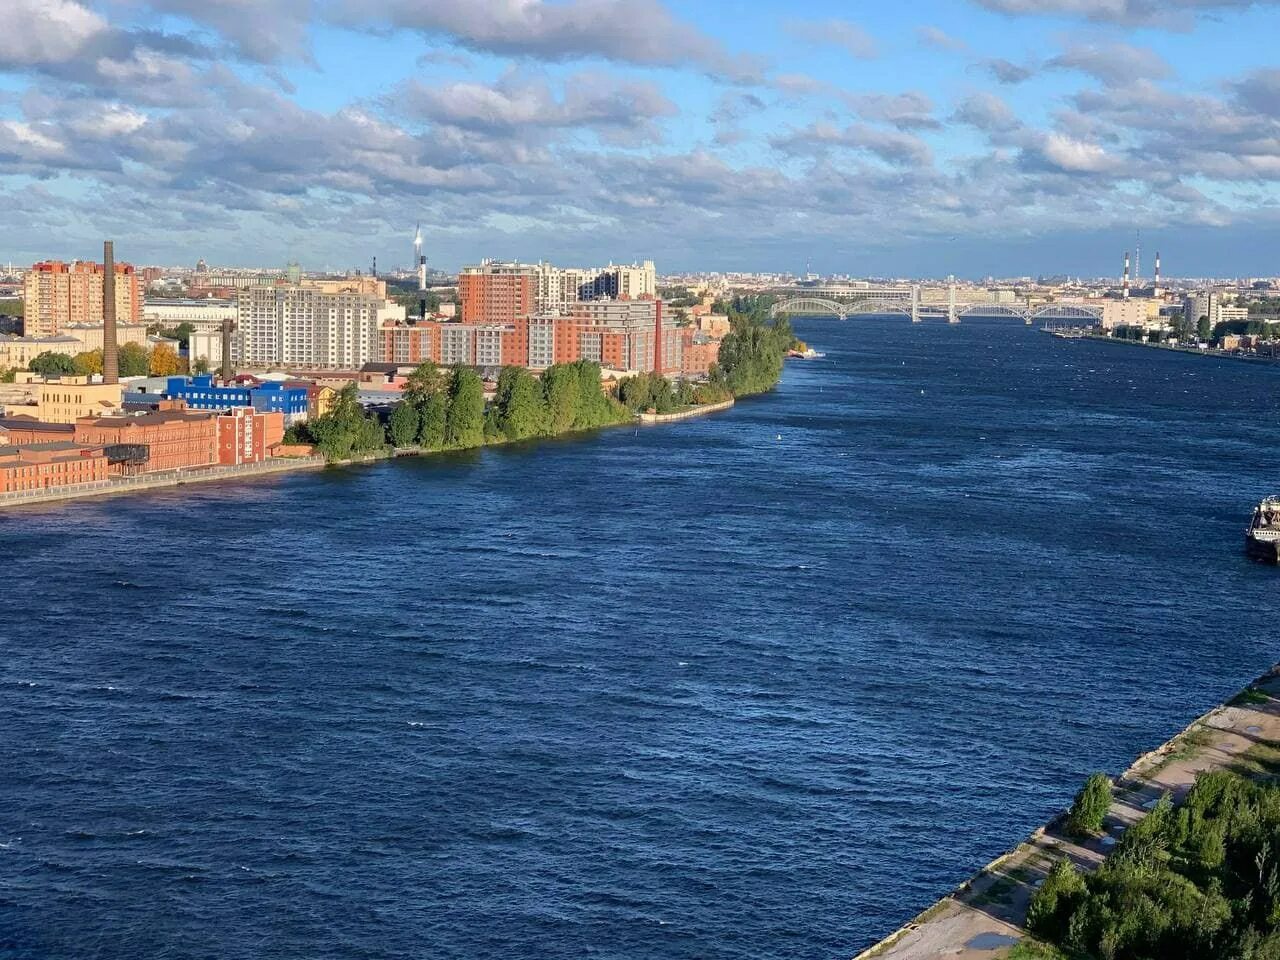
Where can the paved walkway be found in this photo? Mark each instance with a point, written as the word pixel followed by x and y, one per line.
pixel 982 919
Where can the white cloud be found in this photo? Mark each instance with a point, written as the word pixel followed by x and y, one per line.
pixel 41 32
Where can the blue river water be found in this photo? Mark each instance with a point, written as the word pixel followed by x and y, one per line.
pixel 759 685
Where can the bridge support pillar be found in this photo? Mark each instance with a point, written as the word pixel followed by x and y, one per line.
pixel 951 301
pixel 915 303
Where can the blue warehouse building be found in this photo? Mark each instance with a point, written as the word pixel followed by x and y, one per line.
pixel 201 393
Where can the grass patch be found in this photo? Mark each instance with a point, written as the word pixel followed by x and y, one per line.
pixel 1260 762
pixel 1185 747
pixel 1001 891
pixel 1033 950
pixel 1250 697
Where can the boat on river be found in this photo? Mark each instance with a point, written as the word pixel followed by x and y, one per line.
pixel 1262 539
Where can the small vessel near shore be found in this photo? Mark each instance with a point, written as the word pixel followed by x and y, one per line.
pixel 1262 539
pixel 808 353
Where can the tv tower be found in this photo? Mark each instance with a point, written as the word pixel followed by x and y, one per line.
pixel 420 261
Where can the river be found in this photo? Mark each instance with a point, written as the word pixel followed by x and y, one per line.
pixel 760 685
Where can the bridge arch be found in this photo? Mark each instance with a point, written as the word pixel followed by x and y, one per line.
pixel 1068 311
pixel 874 306
pixel 991 310
pixel 810 306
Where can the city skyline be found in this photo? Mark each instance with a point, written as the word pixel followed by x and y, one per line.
pixel 973 137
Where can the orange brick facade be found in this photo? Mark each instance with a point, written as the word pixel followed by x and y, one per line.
pixel 495 297
pixel 46 466
pixel 247 436
pixel 175 439
pixel 620 335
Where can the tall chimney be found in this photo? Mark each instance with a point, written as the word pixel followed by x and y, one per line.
pixel 1157 279
pixel 227 371
pixel 1124 285
pixel 110 352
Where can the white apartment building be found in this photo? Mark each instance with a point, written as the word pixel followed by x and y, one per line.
pixel 205 316
pixel 308 327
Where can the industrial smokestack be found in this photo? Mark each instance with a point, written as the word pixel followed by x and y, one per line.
pixel 110 353
pixel 1157 278
pixel 227 370
pixel 1124 283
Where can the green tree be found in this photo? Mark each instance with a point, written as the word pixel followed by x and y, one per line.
pixel 465 423
pixel 134 361
pixel 50 364
pixel 403 426
pixel 201 365
pixel 560 386
pixel 427 380
pixel 433 422
pixel 1204 329
pixel 522 413
pixel 1090 807
pixel 346 430
pixel 1055 901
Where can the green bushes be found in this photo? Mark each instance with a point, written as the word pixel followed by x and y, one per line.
pixel 346 430
pixel 1090 806
pixel 1196 882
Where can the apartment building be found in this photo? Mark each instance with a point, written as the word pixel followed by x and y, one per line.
pixel 57 294
pixel 306 326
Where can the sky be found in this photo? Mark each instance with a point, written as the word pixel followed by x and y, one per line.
pixel 974 137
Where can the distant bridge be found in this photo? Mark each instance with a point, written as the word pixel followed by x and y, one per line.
pixel 909 304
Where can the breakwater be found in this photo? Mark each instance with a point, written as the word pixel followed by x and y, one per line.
pixel 699 411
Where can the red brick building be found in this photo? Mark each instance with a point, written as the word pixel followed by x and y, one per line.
pixel 174 438
pixel 28 430
pixel 246 435
pixel 700 352
pixel 632 335
pixel 497 292
pixel 43 466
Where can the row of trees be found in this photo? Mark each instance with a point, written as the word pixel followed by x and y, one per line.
pixel 445 409
pixel 1196 882
pixel 135 361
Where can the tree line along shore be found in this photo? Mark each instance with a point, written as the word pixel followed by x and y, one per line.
pixel 444 408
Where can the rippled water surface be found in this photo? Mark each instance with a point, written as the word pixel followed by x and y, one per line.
pixel 761 685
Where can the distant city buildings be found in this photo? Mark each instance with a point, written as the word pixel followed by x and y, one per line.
pixel 57 295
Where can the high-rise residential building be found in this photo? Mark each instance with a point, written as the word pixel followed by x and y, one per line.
pixel 305 326
pixel 58 294
pixel 626 282
pixel 499 292
pixel 496 292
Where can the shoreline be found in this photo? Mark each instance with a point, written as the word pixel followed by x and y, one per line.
pixel 982 918
pixel 119 486
pixel 1211 352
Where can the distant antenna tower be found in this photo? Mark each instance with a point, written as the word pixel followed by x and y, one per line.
pixel 420 262
pixel 1137 258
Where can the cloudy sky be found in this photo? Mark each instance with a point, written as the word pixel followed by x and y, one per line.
pixel 965 136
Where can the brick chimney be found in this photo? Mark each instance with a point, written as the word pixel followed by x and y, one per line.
pixel 110 353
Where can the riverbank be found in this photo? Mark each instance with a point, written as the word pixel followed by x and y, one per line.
pixel 1193 351
pixel 983 918
pixel 173 478
pixel 124 485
